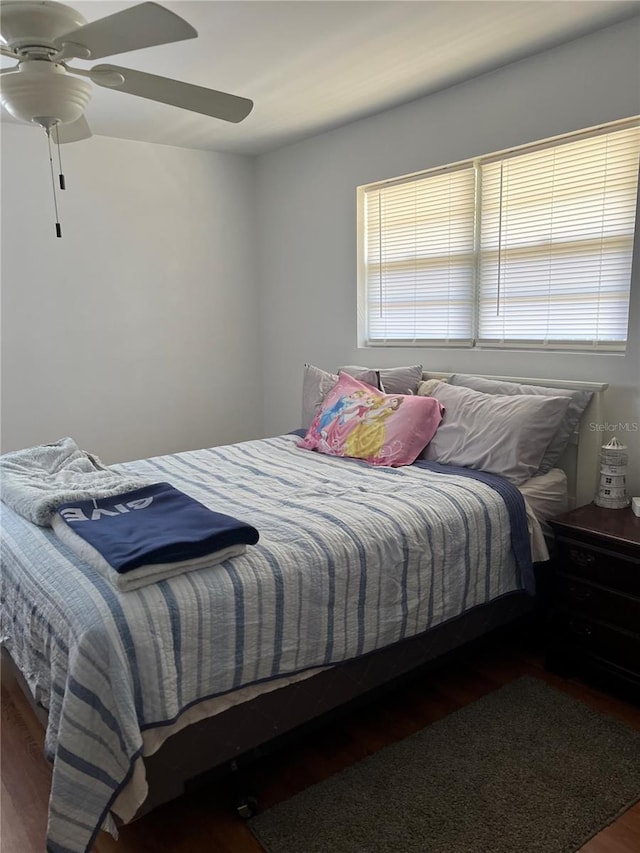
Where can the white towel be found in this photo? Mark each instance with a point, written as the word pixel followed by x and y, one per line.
pixel 143 575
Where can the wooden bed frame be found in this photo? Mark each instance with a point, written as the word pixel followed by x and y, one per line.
pixel 232 738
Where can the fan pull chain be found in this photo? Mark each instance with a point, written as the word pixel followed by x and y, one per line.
pixel 60 176
pixel 53 185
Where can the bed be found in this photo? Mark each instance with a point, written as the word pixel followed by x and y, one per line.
pixel 361 574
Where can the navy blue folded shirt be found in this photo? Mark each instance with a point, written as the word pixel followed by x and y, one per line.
pixel 154 524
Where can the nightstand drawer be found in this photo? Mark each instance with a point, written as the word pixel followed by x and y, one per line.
pixel 595 602
pixel 600 565
pixel 593 639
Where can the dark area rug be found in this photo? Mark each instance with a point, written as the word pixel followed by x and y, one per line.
pixel 525 769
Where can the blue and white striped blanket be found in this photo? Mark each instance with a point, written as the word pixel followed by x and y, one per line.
pixel 350 558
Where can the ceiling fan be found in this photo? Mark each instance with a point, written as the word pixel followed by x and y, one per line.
pixel 43 89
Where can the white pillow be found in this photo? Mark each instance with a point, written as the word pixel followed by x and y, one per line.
pixel 317 383
pixel 578 401
pixel 502 434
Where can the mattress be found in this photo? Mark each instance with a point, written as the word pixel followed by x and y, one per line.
pixel 351 558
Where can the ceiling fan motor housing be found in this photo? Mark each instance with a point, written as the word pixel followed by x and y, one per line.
pixel 41 90
pixel 44 93
pixel 36 23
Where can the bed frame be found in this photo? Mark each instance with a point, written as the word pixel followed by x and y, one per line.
pixel 231 739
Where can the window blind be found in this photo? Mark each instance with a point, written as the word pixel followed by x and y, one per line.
pixel 556 240
pixel 418 259
pixel 529 248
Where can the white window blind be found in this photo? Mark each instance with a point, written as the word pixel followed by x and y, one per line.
pixel 419 244
pixel 531 248
pixel 556 241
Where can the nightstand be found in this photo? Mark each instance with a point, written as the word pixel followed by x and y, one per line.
pixel 594 596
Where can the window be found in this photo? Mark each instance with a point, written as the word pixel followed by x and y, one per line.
pixel 529 248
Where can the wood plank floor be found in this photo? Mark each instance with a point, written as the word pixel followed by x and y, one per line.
pixel 195 824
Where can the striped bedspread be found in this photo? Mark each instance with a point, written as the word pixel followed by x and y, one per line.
pixel 350 558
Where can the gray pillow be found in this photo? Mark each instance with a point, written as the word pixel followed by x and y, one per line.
pixel 395 380
pixel 317 383
pixel 502 434
pixel 578 402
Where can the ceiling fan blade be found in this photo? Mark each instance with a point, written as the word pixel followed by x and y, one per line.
pixel 6 51
pixel 74 132
pixel 197 99
pixel 9 70
pixel 144 25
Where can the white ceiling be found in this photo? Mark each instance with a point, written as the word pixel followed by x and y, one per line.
pixel 312 65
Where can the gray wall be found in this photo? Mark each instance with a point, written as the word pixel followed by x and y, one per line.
pixel 136 332
pixel 191 285
pixel 306 206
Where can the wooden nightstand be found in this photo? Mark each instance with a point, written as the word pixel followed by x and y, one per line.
pixel 594 596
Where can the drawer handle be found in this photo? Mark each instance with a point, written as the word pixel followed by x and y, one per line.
pixel 580 593
pixel 581 629
pixel 582 558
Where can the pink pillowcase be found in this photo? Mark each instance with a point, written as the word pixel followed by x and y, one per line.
pixel 357 420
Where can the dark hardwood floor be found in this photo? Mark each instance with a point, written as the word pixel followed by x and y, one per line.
pixel 195 823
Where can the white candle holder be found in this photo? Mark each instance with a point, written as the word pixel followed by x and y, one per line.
pixel 612 492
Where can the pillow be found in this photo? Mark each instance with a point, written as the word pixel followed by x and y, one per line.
pixel 426 386
pixel 502 434
pixel 364 374
pixel 317 383
pixel 384 429
pixel 578 402
pixel 395 380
